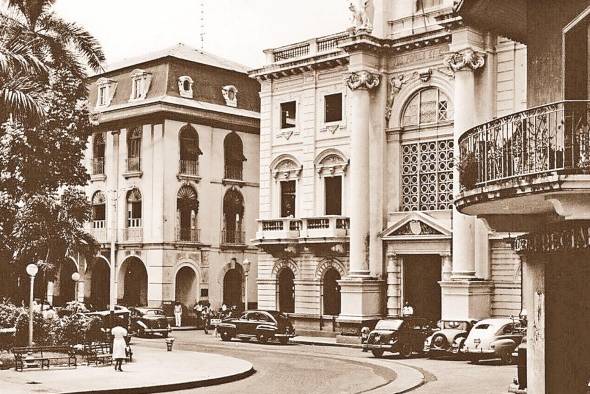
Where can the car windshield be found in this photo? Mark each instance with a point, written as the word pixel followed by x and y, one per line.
pixel 278 315
pixel 154 312
pixel 388 324
pixel 482 327
pixel 457 325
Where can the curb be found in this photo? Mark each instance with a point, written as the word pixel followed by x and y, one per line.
pixel 318 343
pixel 176 386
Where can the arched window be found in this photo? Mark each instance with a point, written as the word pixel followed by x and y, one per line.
pixel 134 208
pixel 98 210
pixel 189 151
pixel 233 216
pixel 427 106
pixel 98 154
pixel 233 151
pixel 331 169
pixel 134 149
pixel 187 208
pixel 286 173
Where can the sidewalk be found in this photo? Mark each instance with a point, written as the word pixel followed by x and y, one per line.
pixel 183 370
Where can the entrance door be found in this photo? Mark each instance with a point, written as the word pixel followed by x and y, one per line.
pixel 232 287
pixel 286 291
pixel 421 274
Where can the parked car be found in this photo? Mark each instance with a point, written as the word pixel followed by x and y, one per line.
pixel 494 338
pixel 449 338
pixel 262 325
pixel 149 321
pixel 404 335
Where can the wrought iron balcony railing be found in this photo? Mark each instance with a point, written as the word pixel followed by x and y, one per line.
pixel 189 167
pixel 233 171
pixel 234 237
pixel 133 164
pixel 187 234
pixel 98 166
pixel 530 143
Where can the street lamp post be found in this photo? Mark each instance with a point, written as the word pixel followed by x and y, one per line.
pixel 32 270
pixel 75 278
pixel 246 265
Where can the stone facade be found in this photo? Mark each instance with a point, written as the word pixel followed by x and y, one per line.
pixel 394 147
pixel 174 182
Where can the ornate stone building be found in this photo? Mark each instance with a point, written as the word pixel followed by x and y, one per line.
pixel 358 143
pixel 174 184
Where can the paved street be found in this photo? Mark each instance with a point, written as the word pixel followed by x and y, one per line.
pixel 322 369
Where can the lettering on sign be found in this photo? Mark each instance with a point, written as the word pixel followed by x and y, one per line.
pixel 419 56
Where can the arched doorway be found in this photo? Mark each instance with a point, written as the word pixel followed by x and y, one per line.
pixel 286 291
pixel 67 286
pixel 232 286
pixel 186 289
pixel 135 282
pixel 99 284
pixel 331 292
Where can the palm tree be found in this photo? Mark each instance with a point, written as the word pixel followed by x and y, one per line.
pixel 34 41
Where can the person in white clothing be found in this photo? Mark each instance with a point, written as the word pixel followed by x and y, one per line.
pixel 407 310
pixel 177 314
pixel 119 346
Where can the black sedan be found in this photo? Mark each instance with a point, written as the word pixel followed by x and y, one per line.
pixel 398 335
pixel 148 321
pixel 262 325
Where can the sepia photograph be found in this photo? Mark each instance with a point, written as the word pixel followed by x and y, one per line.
pixel 295 196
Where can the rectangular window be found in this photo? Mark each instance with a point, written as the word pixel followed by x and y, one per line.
pixel 288 114
pixel 288 194
pixel 333 107
pixel 333 191
pixel 138 87
pixel 102 94
pixel 427 4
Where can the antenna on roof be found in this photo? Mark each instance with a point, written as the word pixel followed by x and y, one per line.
pixel 202 24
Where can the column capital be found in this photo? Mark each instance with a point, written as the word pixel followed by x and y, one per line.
pixel 362 80
pixel 465 59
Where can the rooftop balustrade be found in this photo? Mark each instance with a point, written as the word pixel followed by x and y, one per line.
pixel 307 48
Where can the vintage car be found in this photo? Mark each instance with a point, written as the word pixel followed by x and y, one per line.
pixel 262 325
pixel 449 338
pixel 494 338
pixel 148 321
pixel 403 335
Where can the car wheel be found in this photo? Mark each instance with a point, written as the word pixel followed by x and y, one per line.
pixel 262 338
pixel 284 340
pixel 245 339
pixel 225 336
pixel 141 333
pixel 473 359
pixel 507 358
pixel 377 353
pixel 406 350
pixel 439 341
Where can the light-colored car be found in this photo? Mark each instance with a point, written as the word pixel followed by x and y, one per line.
pixel 449 338
pixel 494 338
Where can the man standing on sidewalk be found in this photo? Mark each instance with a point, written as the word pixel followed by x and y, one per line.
pixel 177 313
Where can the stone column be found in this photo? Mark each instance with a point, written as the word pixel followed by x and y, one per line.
pixel 361 294
pixel 463 294
pixel 447 267
pixel 394 282
pixel 360 83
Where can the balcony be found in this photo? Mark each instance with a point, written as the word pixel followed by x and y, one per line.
pixel 233 238
pixel 98 166
pixel 187 234
pixel 315 229
pixel 523 163
pixel 233 172
pixel 134 231
pixel 99 231
pixel 307 48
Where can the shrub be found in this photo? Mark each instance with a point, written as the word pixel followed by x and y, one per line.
pixel 8 314
pixel 6 360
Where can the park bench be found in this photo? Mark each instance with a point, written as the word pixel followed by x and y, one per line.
pixel 98 352
pixel 41 356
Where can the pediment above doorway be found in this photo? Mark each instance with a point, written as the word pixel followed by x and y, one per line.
pixel 416 224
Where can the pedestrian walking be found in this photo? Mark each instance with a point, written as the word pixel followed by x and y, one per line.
pixel 205 315
pixel 119 346
pixel 177 314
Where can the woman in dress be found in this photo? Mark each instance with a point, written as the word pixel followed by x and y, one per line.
pixel 119 345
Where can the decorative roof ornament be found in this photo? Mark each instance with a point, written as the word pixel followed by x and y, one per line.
pixel 466 58
pixel 362 80
pixel 360 21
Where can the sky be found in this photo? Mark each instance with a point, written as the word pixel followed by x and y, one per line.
pixel 235 29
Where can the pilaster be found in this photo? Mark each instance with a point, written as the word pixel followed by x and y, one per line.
pixel 394 282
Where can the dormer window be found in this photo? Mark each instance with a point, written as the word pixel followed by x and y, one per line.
pixel 230 95
pixel 140 84
pixel 185 86
pixel 106 91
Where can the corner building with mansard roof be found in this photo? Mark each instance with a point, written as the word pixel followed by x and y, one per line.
pixel 358 140
pixel 174 182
